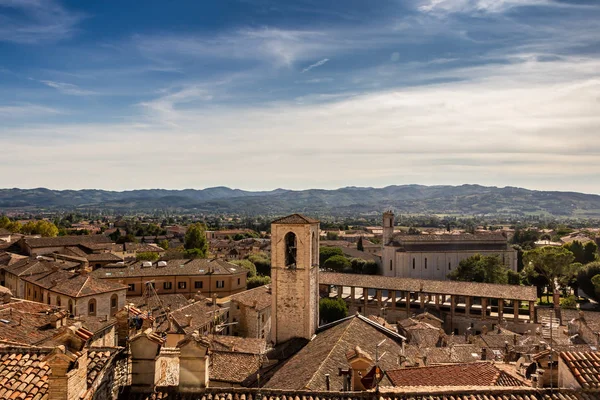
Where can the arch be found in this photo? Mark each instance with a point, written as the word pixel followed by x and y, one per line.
pixel 71 307
pixel 114 304
pixel 58 301
pixel 92 307
pixel 291 250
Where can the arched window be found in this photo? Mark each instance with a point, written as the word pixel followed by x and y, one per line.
pixel 92 307
pixel 71 307
pixel 48 298
pixel 58 301
pixel 290 250
pixel 114 304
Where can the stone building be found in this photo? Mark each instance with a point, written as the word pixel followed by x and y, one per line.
pixel 187 277
pixel 250 313
pixel 295 277
pixel 434 256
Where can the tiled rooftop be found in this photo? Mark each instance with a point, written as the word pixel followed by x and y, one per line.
pixel 97 359
pixel 233 367
pixel 23 374
pixel 74 284
pixel 468 393
pixel 430 286
pixel 585 367
pixel 199 266
pixel 238 344
pixel 295 219
pixel 472 374
pixel 259 298
pixel 61 241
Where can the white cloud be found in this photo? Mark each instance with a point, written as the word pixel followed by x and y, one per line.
pixel 315 65
pixel 36 21
pixel 68 88
pixel 488 6
pixel 26 110
pixel 528 123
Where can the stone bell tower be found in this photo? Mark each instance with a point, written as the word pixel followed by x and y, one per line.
pixel 294 277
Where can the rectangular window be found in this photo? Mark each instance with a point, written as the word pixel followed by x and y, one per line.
pixel 181 285
pixel 238 281
pixel 425 262
pixel 131 287
pixel 198 285
pixel 449 266
pixel 167 285
pixel 414 263
pixel 220 284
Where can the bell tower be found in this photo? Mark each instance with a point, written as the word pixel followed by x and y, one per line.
pixel 294 277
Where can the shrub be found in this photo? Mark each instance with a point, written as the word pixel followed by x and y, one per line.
pixel 257 281
pixel 147 256
pixel 568 302
pixel 327 252
pixel 337 263
pixel 332 309
pixel 247 265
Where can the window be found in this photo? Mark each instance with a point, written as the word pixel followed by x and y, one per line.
pixel 167 285
pixel 131 287
pixel 98 265
pixel 425 262
pixel 449 266
pixel 48 298
pixel 114 302
pixel 92 307
pixel 238 281
pixel 198 285
pixel 58 301
pixel 181 285
pixel 414 263
pixel 220 284
pixel 290 250
pixel 390 265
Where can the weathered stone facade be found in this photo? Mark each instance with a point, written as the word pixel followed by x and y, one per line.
pixel 294 275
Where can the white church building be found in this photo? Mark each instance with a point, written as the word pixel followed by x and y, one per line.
pixel 434 256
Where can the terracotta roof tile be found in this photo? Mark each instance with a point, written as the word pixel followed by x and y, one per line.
pixel 19 369
pixel 585 366
pixel 430 286
pixel 61 241
pixel 233 367
pixel 200 266
pixel 259 298
pixel 473 374
pixel 74 284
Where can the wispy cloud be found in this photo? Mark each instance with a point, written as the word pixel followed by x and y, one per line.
pixel 36 21
pixel 315 65
pixel 489 6
pixel 68 88
pixel 20 110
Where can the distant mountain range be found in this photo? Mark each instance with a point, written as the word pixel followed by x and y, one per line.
pixel 416 199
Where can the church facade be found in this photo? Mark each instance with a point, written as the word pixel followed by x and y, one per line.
pixel 431 256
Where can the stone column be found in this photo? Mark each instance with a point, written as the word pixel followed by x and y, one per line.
pixel 408 304
pixel 393 299
pixel 532 311
pixel 352 298
pixel 437 301
pixel 516 310
pixel 500 309
pixel 422 300
pixel 365 299
pixel 378 295
pixel 452 305
pixel 484 303
pixel 468 301
pixel 340 291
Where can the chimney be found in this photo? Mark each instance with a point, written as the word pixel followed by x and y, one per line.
pixel 68 375
pixel 188 320
pixel 483 354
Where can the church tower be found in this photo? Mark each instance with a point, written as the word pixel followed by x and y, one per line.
pixel 388 227
pixel 294 277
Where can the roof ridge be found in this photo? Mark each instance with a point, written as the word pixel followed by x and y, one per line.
pixel 82 286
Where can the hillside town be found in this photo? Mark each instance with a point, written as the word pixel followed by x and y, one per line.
pixel 298 311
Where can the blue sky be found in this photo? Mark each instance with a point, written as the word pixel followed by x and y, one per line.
pixel 260 94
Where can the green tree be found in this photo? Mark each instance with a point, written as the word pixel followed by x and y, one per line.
pixel 478 268
pixel 147 256
pixel 596 283
pixel 359 245
pixel 337 264
pixel 331 310
pixel 164 244
pixel 568 302
pixel 553 263
pixel 590 252
pixel 332 236
pixel 370 268
pixel 576 247
pixel 195 238
pixel 247 265
pixel 115 235
pixel 585 277
pixel 357 265
pixel 262 262
pixel 326 252
pixel 257 281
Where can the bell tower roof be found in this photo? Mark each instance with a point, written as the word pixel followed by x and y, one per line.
pixel 295 219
